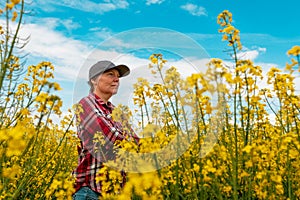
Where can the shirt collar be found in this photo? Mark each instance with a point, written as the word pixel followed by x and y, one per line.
pixel 100 101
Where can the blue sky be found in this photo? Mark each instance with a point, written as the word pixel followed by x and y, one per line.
pixel 68 32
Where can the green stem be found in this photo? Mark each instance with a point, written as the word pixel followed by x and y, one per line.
pixel 235 113
pixel 9 50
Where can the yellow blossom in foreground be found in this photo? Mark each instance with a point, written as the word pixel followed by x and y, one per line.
pixel 236 152
pixel 139 184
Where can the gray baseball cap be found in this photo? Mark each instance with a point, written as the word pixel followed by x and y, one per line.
pixel 104 65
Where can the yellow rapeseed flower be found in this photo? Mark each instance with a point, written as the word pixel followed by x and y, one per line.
pixel 295 51
pixel 15 1
pixel 14 17
pixel 229 29
pixel 247 149
pixel 10 6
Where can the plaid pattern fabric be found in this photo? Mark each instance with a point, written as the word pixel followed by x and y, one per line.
pixel 94 120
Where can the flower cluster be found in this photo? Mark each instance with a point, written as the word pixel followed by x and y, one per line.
pixel 230 33
pixel 219 134
pixel 37 154
pixel 239 140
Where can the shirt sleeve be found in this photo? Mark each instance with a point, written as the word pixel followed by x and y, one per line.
pixel 96 121
pixel 110 129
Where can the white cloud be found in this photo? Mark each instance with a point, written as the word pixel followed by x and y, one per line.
pixel 65 53
pixel 248 55
pixel 70 24
pixel 72 58
pixel 262 49
pixel 101 33
pixel 149 2
pixel 251 54
pixel 194 9
pixel 53 23
pixel 87 6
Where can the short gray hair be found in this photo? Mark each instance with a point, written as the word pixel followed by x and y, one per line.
pixel 92 88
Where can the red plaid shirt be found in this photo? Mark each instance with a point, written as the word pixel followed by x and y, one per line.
pixel 95 118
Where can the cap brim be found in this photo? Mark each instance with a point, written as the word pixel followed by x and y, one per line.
pixel 123 70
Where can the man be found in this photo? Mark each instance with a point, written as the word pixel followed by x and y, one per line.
pixel 95 118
